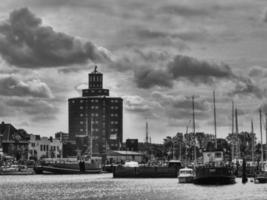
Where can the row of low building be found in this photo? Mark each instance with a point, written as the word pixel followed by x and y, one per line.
pixel 21 145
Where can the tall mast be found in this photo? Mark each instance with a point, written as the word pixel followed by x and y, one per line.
pixel 261 135
pixel 237 138
pixel 91 137
pixel 252 142
pixel 233 130
pixel 146 132
pixel 194 131
pixel 266 135
pixel 215 125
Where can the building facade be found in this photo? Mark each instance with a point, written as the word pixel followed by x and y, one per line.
pixel 132 144
pixel 14 141
pixel 96 118
pixel 64 137
pixel 44 147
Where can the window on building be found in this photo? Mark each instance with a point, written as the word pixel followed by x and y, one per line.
pixel 81 122
pixel 81 101
pixel 81 115
pixel 81 107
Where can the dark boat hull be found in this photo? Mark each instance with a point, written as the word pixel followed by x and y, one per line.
pixel 261 180
pixel 214 176
pixel 144 172
pixel 57 170
pixel 261 177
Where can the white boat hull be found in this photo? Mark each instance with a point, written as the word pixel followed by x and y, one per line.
pixel 186 179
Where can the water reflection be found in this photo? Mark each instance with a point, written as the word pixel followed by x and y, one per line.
pixel 103 186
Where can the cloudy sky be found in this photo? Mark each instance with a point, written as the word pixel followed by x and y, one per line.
pixel 155 54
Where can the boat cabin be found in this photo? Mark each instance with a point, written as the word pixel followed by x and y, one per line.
pixel 186 171
pixel 212 157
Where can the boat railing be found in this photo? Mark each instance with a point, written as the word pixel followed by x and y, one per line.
pixel 215 164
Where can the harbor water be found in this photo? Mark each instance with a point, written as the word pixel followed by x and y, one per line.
pixel 103 186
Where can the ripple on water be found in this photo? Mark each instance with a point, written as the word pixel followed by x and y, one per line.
pixel 103 186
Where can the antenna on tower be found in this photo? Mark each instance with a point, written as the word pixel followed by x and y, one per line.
pixel 237 137
pixel 261 135
pixel 147 139
pixel 215 123
pixel 194 131
pixel 252 142
pixel 233 130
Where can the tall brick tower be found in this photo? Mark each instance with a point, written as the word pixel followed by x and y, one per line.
pixel 96 117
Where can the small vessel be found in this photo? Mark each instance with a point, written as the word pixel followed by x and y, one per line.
pixel 134 170
pixel 261 175
pixel 69 166
pixel 186 175
pixel 16 170
pixel 214 169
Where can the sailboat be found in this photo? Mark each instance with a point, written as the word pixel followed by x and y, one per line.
pixel 214 170
pixel 88 164
pixel 186 175
pixel 261 174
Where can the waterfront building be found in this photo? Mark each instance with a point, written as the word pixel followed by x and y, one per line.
pixel 1 147
pixel 132 144
pixel 14 141
pixel 44 147
pixel 123 156
pixel 96 118
pixel 63 137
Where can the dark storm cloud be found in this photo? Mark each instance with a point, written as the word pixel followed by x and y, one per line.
pixel 265 15
pixel 181 67
pixel 152 56
pixel 196 70
pixel 257 71
pixel 148 77
pixel 245 86
pixel 180 102
pixel 183 10
pixel 25 42
pixel 36 108
pixel 12 86
pixel 187 35
pixel 198 10
pixel 181 107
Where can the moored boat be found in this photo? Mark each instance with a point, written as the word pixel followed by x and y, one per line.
pixel 69 166
pixel 134 170
pixel 214 170
pixel 186 175
pixel 16 170
pixel 261 175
